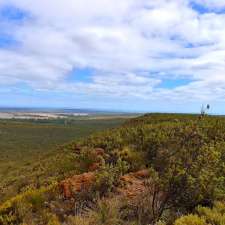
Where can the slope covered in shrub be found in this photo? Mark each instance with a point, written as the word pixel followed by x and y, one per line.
pixel 185 159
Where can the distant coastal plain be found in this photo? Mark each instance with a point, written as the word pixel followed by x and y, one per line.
pixel 37 115
pixel 53 114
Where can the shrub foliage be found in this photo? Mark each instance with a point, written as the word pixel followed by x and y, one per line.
pixel 185 155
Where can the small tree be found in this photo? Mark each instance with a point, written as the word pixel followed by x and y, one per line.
pixel 187 170
pixel 204 109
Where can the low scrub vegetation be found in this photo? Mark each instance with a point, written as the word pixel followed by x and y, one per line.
pixel 156 169
pixel 31 154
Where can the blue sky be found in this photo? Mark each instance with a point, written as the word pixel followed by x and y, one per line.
pixel 131 55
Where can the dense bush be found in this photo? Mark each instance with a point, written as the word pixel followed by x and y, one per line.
pixel 108 177
pixel 205 216
pixel 21 208
pixel 191 220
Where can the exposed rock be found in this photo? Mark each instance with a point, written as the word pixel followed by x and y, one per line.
pixel 77 183
pixel 133 183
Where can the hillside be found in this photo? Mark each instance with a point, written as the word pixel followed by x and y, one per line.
pixel 30 153
pixel 154 169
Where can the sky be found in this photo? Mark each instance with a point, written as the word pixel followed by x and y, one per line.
pixel 123 55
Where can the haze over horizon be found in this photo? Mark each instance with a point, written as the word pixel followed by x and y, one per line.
pixel 129 55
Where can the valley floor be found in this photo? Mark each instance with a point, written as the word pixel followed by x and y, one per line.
pixel 29 149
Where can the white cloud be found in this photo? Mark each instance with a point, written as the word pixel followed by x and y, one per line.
pixel 132 45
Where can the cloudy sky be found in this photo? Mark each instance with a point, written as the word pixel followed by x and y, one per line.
pixel 132 55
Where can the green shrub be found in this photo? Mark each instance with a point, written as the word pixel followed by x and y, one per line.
pixel 135 159
pixel 205 216
pixel 106 213
pixel 53 220
pixel 78 220
pixel 36 199
pixel 216 215
pixel 108 177
pixel 19 208
pixel 86 158
pixel 190 220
